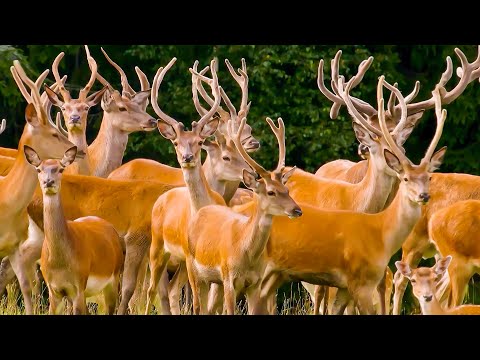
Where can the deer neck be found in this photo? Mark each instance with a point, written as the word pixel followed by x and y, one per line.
pixel 432 308
pixel 81 167
pixel 106 151
pixel 224 187
pixel 19 184
pixel 376 186
pixel 258 230
pixel 198 188
pixel 55 227
pixel 398 220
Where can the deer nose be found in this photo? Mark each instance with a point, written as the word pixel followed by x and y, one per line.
pixel 363 149
pixel 296 212
pixel 49 183
pixel 188 158
pixel 75 119
pixel 153 122
pixel 428 298
pixel 253 144
pixel 424 197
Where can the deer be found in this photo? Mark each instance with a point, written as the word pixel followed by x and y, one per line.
pixel 222 162
pixel 356 172
pixel 324 247
pixel 18 186
pixel 453 230
pixel 447 188
pixel 75 111
pixel 424 284
pixel 79 258
pixel 172 211
pixel 233 257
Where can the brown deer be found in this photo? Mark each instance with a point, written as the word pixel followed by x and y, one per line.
pixel 233 256
pixel 80 258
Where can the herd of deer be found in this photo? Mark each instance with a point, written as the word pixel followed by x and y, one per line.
pixel 92 223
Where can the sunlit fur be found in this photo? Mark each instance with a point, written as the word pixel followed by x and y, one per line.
pixel 80 258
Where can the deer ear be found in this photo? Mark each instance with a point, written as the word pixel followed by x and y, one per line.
pixel 166 130
pixel 141 97
pixel 31 115
pixel 54 98
pixel 287 175
pixel 392 161
pixel 209 128
pixel 404 269
pixel 442 265
pixel 31 156
pixel 437 159
pixel 95 98
pixel 362 135
pixel 69 156
pixel 250 180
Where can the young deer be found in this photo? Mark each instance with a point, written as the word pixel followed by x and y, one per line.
pixel 424 284
pixel 80 258
pixel 225 247
pixel 17 188
pixel 351 250
pixel 172 211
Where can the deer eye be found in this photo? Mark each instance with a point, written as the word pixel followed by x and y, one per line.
pixel 405 179
pixel 87 108
pixel 271 193
pixel 38 171
pixel 200 143
pixel 62 108
pixel 430 178
pixel 175 143
pixel 122 108
pixel 60 170
pixel 56 136
pixel 413 281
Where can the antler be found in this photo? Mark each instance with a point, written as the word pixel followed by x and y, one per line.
pixel 383 124
pixel 280 135
pixel 216 90
pixel 34 98
pixel 92 64
pixel 347 100
pixel 126 88
pixel 58 124
pixel 3 126
pixel 441 116
pixel 157 80
pixel 235 136
pixel 196 83
pixel 63 91
pixel 336 98
pixel 242 81
pixel 467 73
pixel 403 107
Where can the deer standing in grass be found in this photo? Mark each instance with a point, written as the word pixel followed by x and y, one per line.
pixel 17 188
pixel 350 250
pixel 226 247
pixel 172 211
pixel 424 284
pixel 80 258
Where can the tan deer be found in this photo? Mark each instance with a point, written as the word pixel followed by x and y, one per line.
pixel 75 111
pixel 222 164
pixel 446 188
pixel 424 284
pixel 453 231
pixel 172 211
pixel 233 257
pixel 14 199
pixel 80 258
pixel 324 247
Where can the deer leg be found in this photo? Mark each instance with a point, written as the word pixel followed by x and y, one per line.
pixel 24 279
pixel 412 259
pixel 341 300
pixel 215 299
pixel 133 259
pixel 158 274
pixel 193 280
pixel 363 297
pixel 228 292
pixel 187 295
pixel 138 300
pixel 79 304
pixel 459 278
pixel 110 295
pixel 381 289
pixel 255 305
pixel 175 288
pixel 6 274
